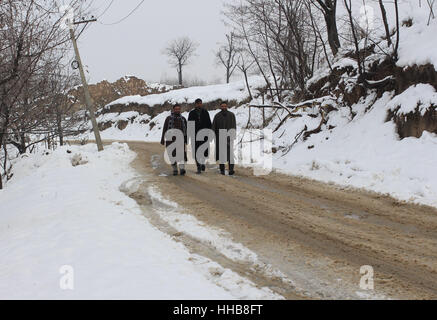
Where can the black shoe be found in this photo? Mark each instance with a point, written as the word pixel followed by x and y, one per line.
pixel 183 172
pixel 203 167
pixel 222 169
pixel 231 170
pixel 199 170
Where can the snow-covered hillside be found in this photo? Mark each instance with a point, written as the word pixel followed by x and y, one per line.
pixel 235 91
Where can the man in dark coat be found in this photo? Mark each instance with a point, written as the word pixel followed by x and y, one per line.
pixel 175 150
pixel 201 119
pixel 224 126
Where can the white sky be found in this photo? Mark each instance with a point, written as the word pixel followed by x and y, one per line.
pixel 134 47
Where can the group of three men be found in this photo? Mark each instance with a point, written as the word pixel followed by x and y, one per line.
pixel 222 129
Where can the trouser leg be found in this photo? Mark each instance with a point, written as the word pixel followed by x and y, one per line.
pixel 182 168
pixel 200 160
pixel 175 168
pixel 199 165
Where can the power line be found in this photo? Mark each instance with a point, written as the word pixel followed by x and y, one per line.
pixel 121 20
pixel 107 8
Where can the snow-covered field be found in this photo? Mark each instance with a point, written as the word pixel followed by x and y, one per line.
pixel 68 232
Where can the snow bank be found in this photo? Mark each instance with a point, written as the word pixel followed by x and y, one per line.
pixel 54 215
pixel 364 152
pixel 234 91
pixel 417 43
pixel 420 96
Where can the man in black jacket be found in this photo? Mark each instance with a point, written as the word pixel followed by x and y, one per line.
pixel 200 117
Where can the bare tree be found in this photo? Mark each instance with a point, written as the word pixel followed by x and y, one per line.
pixel 398 31
pixel 431 10
pixel 227 55
pixel 384 19
pixel 180 51
pixel 32 43
pixel 244 64
pixel 348 6
pixel 279 37
pixel 329 9
pixel 318 35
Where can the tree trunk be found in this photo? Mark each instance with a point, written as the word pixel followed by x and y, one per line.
pixel 60 129
pixel 4 110
pixel 384 19
pixel 269 58
pixel 264 117
pixel 255 59
pixel 354 35
pixel 331 25
pixel 3 129
pixel 395 54
pixel 1 174
pixel 247 84
pixel 23 146
pixel 180 74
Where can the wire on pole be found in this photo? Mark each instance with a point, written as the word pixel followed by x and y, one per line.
pixel 121 20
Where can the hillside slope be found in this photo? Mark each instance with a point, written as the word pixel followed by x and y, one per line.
pixel 105 92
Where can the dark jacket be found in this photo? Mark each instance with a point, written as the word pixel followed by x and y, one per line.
pixel 177 122
pixel 224 120
pixel 201 120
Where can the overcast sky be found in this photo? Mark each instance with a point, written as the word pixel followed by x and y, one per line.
pixel 134 46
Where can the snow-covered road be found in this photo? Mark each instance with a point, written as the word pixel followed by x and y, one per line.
pixel 69 233
pixel 303 238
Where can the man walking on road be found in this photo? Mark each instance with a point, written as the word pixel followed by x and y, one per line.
pixel 224 127
pixel 201 119
pixel 174 137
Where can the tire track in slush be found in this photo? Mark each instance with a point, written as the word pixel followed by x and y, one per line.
pixel 318 235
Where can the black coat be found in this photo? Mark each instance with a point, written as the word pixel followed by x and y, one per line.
pixel 201 121
pixel 224 120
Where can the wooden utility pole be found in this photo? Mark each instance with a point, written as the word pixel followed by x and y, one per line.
pixel 88 100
